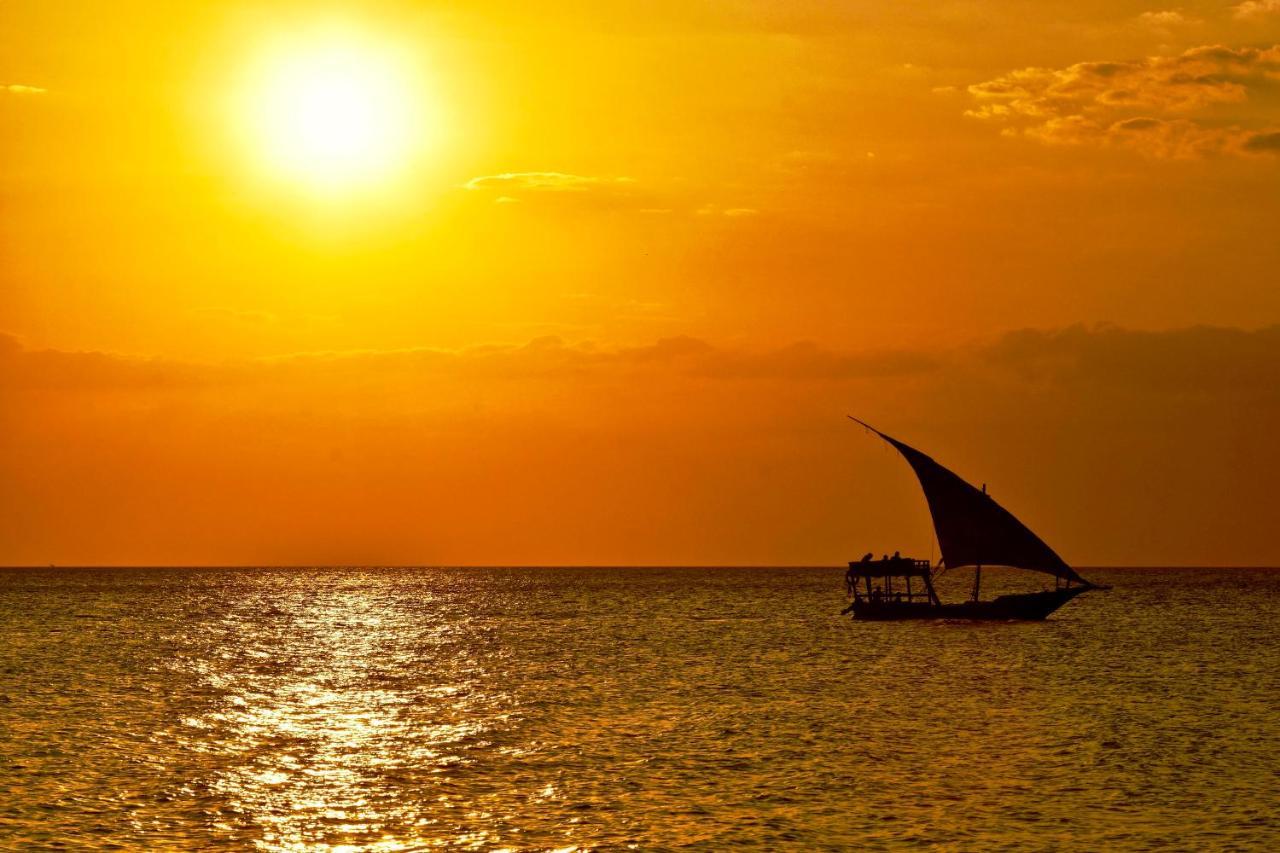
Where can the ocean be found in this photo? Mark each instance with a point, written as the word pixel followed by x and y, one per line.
pixel 624 708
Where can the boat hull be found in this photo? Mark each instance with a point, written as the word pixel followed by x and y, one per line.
pixel 1031 606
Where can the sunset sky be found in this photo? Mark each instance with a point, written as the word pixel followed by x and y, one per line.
pixel 596 282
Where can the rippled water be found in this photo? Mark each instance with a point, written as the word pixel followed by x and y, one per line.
pixel 529 709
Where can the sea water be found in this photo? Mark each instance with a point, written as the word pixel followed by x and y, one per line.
pixel 604 708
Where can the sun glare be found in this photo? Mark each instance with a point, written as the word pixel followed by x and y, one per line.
pixel 336 112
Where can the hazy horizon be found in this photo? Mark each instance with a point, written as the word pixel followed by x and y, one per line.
pixel 656 566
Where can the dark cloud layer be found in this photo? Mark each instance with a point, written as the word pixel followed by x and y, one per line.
pixel 547 358
pixel 1119 445
pixel 1203 358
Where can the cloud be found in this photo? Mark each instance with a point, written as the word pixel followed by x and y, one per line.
pixel 1167 21
pixel 512 183
pixel 590 192
pixel 546 358
pixel 23 369
pixel 1251 10
pixel 732 212
pixel 561 190
pixel 1168 139
pixel 1269 141
pixel 1200 360
pixel 19 89
pixel 1162 106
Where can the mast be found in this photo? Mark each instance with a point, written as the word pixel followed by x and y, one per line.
pixel 977 570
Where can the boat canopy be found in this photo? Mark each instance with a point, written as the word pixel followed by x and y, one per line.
pixel 903 567
pixel 974 530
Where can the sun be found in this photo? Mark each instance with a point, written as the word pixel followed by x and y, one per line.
pixel 336 111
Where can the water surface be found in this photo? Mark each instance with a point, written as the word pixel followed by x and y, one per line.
pixel 535 709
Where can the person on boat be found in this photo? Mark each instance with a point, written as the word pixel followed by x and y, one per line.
pixel 851 576
pixel 897 556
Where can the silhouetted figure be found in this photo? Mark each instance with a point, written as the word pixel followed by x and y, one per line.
pixel 866 558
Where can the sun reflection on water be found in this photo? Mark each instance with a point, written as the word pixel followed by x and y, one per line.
pixel 330 738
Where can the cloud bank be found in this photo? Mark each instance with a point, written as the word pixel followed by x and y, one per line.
pixel 1200 359
pixel 680 450
pixel 1162 106
pixel 1252 10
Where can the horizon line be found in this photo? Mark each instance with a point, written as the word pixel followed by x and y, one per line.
pixel 199 566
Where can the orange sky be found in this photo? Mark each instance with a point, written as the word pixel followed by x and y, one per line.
pixel 635 266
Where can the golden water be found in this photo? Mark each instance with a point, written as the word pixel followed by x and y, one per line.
pixel 537 709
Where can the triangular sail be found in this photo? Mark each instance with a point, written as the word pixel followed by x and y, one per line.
pixel 974 530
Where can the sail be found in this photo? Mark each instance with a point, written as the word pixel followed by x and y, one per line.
pixel 974 530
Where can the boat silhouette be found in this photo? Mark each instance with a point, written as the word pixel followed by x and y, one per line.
pixel 972 530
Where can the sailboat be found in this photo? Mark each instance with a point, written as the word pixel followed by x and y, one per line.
pixel 973 530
